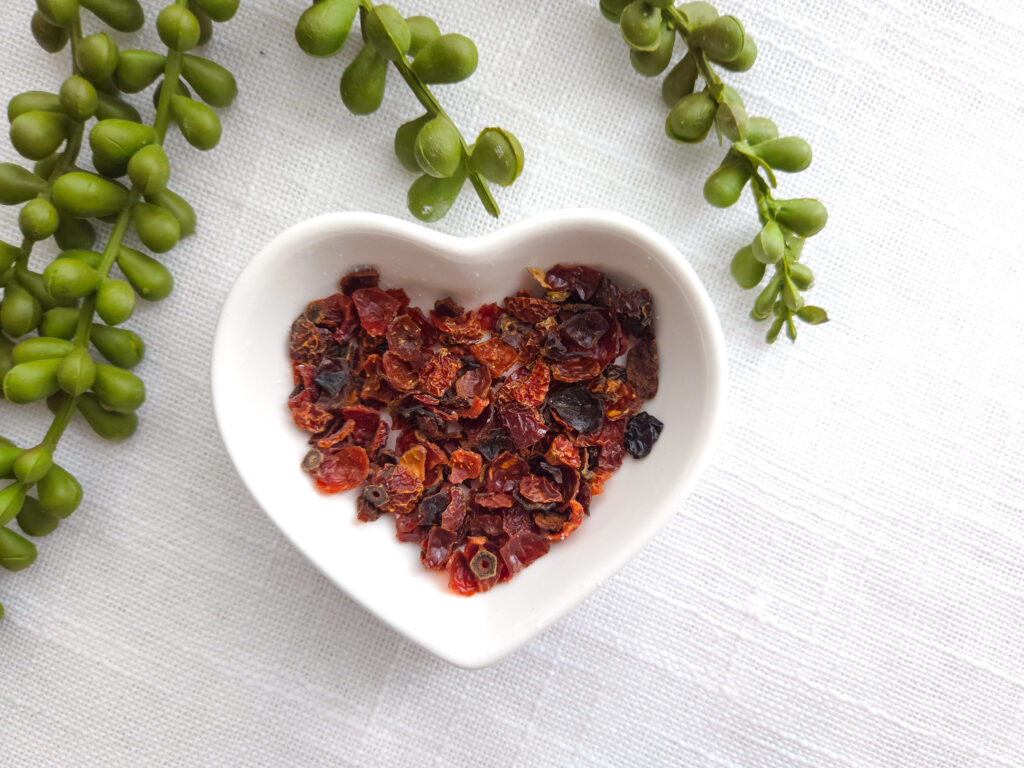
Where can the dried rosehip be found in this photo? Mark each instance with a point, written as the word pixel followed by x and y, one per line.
pixel 466 465
pixel 642 431
pixel 376 309
pixel 578 408
pixel 642 368
pixel 502 443
pixel 498 356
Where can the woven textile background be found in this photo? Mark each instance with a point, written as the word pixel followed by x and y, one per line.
pixel 845 587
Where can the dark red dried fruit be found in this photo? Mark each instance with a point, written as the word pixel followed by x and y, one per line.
pixel 642 368
pixel 522 549
pixel 341 470
pixel 530 310
pixel 642 431
pixel 498 356
pixel 440 372
pixel 524 425
pixel 376 309
pixel 466 465
pixel 307 342
pixel 501 443
pixel 361 278
pixel 575 369
pixel 529 385
pixel 574 278
pixel 578 408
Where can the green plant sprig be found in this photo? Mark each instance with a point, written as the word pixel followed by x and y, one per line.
pixel 58 199
pixel 430 145
pixel 650 28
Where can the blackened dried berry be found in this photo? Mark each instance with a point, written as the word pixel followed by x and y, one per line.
pixel 642 432
pixel 431 508
pixel 312 460
pixel 578 408
pixel 332 382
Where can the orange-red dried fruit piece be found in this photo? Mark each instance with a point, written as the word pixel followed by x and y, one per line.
pixel 597 484
pixel 466 465
pixel 484 563
pixel 494 353
pixel 365 421
pixel 359 278
pixel 504 473
pixel 530 310
pixel 563 451
pixel 405 338
pixel 341 470
pixel 398 372
pixel 474 383
pixel 376 309
pixel 310 417
pixel 523 424
pixel 455 512
pixel 306 342
pixel 522 549
pixel 486 315
pixel 529 385
pixel 380 439
pixel 435 454
pixel 575 369
pixel 440 372
pixel 460 578
pixel 463 329
pixel 494 500
pixel 415 460
pixel 575 518
pixel 437 547
pixel 539 490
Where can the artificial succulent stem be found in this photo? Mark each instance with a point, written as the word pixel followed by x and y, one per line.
pixel 172 70
pixel 433 106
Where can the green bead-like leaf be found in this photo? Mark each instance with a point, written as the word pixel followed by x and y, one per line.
pixel 41 348
pixel 34 520
pixel 178 28
pixel 405 143
pixel 115 301
pixel 156 227
pixel 12 498
pixel 16 552
pixel 363 82
pixel 109 425
pixel 51 39
pixel 438 148
pixel 76 372
pixel 651 63
pixel 323 28
pixel 770 244
pixel 805 216
pixel 137 70
pixel 32 464
pixel 17 185
pixel 122 15
pixel 150 279
pixel 97 57
pixel 422 30
pixel 747 270
pixel 790 153
pixel 680 80
pixel 812 315
pixel 38 219
pixel 449 58
pixel 725 184
pixel 117 389
pixel 19 310
pixel 431 198
pixel 178 208
pixel 214 83
pixel 691 118
pixel 640 23
pixel 32 101
pixel 113 142
pixel 150 170
pixel 386 30
pixel 198 123
pixel 218 10
pixel 78 98
pixel 38 134
pixel 31 381
pixel 497 156
pixel 122 347
pixel 59 492
pixel 86 195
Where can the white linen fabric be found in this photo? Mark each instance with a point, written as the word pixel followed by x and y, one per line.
pixel 845 586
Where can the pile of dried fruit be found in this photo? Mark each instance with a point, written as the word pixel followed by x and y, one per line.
pixel 508 419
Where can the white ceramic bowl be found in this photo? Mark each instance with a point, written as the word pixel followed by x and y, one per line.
pixel 252 380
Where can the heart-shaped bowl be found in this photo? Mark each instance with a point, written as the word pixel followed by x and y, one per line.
pixel 252 380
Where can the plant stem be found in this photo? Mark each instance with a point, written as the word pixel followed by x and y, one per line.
pixel 172 70
pixel 433 106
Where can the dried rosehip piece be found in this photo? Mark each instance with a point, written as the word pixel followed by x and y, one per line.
pixel 500 441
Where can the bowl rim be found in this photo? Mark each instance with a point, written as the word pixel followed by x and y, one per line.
pixel 464 250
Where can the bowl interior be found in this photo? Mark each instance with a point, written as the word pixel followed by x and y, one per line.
pixel 252 381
